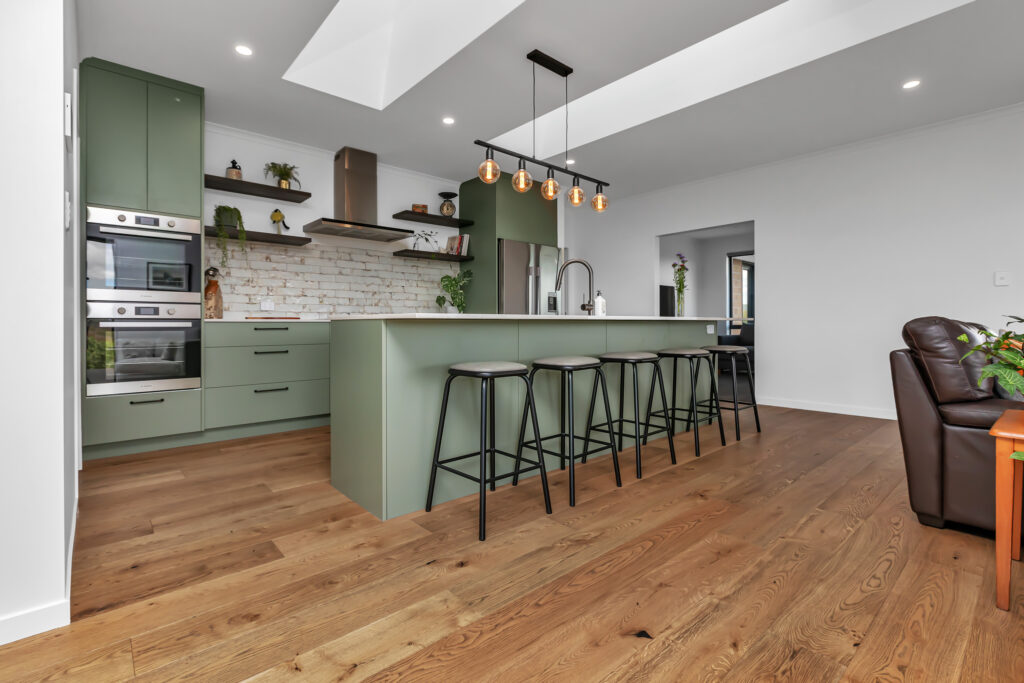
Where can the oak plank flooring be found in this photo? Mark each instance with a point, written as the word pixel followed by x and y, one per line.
pixel 791 555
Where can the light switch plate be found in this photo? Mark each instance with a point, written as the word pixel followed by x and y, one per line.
pixel 1001 278
pixel 266 304
pixel 711 329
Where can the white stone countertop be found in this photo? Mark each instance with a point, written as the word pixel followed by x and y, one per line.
pixel 267 320
pixel 496 316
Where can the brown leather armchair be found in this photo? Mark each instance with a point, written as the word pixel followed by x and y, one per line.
pixel 944 418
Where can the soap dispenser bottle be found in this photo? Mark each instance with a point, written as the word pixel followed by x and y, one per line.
pixel 600 305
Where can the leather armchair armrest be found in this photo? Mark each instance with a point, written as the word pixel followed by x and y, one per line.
pixel 921 435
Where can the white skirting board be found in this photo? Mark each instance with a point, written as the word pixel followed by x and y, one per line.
pixel 841 408
pixel 30 622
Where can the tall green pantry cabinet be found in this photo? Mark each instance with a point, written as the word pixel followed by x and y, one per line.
pixel 141 150
pixel 142 140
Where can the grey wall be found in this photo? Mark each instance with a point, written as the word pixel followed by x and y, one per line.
pixel 707 280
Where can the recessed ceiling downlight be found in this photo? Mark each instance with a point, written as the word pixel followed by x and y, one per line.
pixel 243 50
pixel 570 162
pixel 911 84
pixel 448 120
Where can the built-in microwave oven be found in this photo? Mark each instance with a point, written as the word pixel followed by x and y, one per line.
pixel 133 347
pixel 133 256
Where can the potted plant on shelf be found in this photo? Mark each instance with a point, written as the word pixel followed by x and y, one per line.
pixel 286 174
pixel 225 217
pixel 454 286
pixel 679 270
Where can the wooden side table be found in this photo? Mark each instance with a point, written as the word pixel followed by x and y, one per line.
pixel 1009 433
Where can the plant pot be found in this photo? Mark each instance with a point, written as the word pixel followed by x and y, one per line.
pixel 284 184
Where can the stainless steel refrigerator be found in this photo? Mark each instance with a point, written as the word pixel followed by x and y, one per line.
pixel 526 278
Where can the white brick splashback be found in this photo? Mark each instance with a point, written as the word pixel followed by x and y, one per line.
pixel 321 280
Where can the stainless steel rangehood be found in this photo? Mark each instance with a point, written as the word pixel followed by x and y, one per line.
pixel 355 201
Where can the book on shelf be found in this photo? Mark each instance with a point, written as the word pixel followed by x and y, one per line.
pixel 457 245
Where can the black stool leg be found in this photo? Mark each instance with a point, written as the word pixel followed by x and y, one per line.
pixel 437 442
pixel 690 417
pixel 494 471
pixel 735 397
pixel 561 419
pixel 636 417
pixel 714 399
pixel 650 406
pixel 522 434
pixel 590 420
pixel 670 421
pixel 753 399
pixel 694 368
pixel 571 419
pixel 540 449
pixel 483 457
pixel 622 403
pixel 608 414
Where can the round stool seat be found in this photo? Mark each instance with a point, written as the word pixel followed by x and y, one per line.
pixel 684 353
pixel 567 363
pixel 488 368
pixel 627 356
pixel 727 348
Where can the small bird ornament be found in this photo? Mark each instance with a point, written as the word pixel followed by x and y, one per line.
pixel 278 220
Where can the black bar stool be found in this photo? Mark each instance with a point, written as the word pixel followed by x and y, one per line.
pixel 734 352
pixel 566 366
pixel 696 413
pixel 634 359
pixel 487 372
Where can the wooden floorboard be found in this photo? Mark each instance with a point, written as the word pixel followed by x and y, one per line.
pixel 790 555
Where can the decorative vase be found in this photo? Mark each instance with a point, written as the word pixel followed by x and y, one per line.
pixel 680 302
pixel 234 171
pixel 284 184
pixel 213 300
pixel 448 206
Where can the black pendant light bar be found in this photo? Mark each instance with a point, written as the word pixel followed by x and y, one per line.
pixel 549 63
pixel 553 167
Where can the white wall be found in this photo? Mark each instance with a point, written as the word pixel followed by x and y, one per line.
pixel 397 188
pixel 32 490
pixel 713 273
pixel 921 221
pixel 685 244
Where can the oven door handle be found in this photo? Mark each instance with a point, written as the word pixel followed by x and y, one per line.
pixel 145 323
pixel 147 233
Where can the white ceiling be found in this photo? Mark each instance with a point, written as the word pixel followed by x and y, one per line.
pixel 968 59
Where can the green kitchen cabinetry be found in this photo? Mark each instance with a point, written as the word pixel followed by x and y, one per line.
pixel 229 366
pixel 264 333
pixel 499 212
pixel 142 140
pixel 228 406
pixel 108 419
pixel 175 160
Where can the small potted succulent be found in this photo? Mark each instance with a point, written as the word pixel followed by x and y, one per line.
pixel 286 174
pixel 225 217
pixel 454 286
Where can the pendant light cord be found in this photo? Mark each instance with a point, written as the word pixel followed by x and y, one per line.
pixel 535 110
pixel 566 120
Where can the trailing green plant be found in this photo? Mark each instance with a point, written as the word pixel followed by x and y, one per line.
pixel 1006 353
pixel 227 217
pixel 454 286
pixel 288 172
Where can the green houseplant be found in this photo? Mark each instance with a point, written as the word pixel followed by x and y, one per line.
pixel 286 174
pixel 1007 360
pixel 679 270
pixel 225 217
pixel 454 286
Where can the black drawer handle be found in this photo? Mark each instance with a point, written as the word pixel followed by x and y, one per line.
pixel 267 391
pixel 264 353
pixel 139 403
pixel 268 329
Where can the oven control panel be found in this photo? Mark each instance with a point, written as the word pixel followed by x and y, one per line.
pixel 112 310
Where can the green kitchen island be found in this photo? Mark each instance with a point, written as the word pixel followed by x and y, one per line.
pixel 388 374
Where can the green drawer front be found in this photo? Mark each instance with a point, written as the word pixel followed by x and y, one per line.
pixel 227 406
pixel 265 334
pixel 230 366
pixel 106 419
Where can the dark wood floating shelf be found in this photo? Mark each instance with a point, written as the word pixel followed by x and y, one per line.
pixel 216 182
pixel 268 237
pixel 431 255
pixel 432 218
